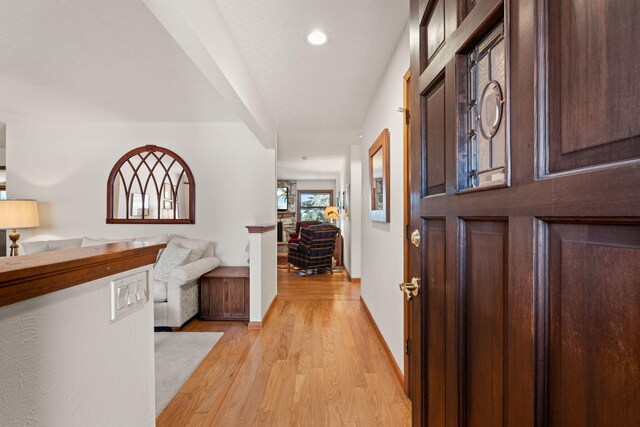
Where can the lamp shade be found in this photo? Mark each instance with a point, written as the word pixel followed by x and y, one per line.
pixel 331 212
pixel 18 214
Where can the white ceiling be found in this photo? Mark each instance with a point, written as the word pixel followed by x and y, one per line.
pixel 96 60
pixel 325 152
pixel 314 91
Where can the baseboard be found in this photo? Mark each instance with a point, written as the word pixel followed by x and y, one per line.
pixel 252 326
pixel 392 360
pixel 352 280
pixel 258 325
pixel 270 309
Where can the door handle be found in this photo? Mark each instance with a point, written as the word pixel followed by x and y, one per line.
pixel 415 238
pixel 411 289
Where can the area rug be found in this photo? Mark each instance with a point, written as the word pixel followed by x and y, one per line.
pixel 178 354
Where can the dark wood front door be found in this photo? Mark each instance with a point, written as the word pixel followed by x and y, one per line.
pixel 525 188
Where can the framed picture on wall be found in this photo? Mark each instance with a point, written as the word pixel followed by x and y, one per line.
pixel 345 200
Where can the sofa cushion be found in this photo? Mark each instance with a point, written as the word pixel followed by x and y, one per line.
pixel 159 291
pixel 172 257
pixel 35 247
pixel 50 245
pixel 161 238
pixel 88 241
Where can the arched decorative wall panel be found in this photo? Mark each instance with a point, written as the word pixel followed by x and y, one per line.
pixel 151 185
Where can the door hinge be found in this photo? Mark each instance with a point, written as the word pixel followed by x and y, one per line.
pixel 407 347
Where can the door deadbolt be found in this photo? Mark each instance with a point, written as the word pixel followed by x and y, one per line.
pixel 411 289
pixel 415 238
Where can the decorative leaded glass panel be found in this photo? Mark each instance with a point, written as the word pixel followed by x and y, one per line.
pixel 484 161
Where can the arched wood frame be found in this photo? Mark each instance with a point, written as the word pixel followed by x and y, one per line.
pixel 150 156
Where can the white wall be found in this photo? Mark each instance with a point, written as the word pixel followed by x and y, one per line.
pixel 269 270
pixel 382 243
pixel 3 144
pixel 263 281
pixel 350 174
pixel 64 363
pixel 320 184
pixel 65 167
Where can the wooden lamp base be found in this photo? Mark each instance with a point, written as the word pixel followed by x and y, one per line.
pixel 14 236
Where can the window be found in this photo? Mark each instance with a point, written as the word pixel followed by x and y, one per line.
pixel 311 204
pixel 484 161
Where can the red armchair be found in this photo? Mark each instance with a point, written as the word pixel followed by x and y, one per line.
pixel 295 237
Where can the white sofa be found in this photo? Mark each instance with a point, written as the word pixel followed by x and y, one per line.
pixel 175 300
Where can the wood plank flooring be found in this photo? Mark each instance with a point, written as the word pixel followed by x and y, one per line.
pixel 316 362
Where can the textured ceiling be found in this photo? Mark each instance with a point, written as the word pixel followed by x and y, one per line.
pixel 316 88
pixel 95 60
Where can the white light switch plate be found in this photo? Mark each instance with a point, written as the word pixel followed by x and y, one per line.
pixel 129 294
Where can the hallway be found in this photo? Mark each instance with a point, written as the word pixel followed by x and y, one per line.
pixel 317 361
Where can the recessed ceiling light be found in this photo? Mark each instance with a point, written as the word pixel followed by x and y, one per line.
pixel 317 38
pixel 360 136
pixel 304 157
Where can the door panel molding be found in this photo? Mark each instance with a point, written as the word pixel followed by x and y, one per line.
pixel 585 116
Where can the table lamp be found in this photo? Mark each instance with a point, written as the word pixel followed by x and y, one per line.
pixel 16 214
pixel 331 212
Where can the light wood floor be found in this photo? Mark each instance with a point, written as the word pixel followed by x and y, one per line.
pixel 316 362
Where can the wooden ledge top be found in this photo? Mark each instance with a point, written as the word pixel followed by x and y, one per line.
pixel 261 228
pixel 29 276
pixel 227 271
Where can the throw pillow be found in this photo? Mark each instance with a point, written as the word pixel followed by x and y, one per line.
pixel 172 257
pixel 197 247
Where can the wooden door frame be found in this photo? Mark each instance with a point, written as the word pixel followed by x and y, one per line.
pixel 406 101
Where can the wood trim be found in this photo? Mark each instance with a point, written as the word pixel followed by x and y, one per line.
pixel 149 221
pixel 392 361
pixel 270 309
pixel 255 326
pixel 351 279
pixel 487 13
pixel 382 142
pixel 228 272
pixel 407 216
pixel 27 277
pixel 151 149
pixel 260 228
